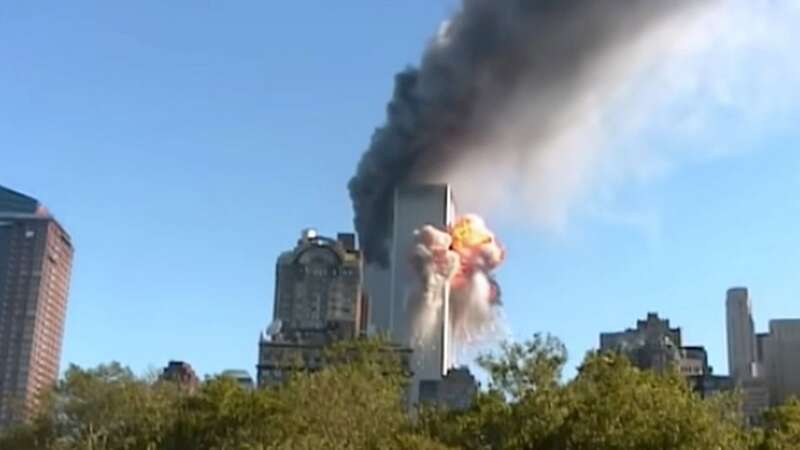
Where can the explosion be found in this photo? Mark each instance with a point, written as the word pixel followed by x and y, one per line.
pixel 457 263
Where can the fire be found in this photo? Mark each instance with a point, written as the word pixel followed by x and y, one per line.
pixel 462 258
pixel 468 232
pixel 477 249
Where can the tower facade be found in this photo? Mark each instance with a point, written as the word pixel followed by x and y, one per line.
pixel 317 301
pixel 782 359
pixel 414 207
pixel 741 334
pixel 35 265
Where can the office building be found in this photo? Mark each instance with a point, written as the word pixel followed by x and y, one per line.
pixel 782 359
pixel 653 344
pixel 741 335
pixel 693 365
pixel 756 398
pixel 766 366
pixel 35 264
pixel 318 301
pixel 181 373
pixel 378 296
pixel 693 362
pixel 455 391
pixel 414 207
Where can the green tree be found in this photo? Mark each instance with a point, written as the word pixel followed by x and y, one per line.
pixel 781 429
pixel 615 406
pixel 109 408
pixel 523 406
pixel 609 405
pixel 356 402
pixel 222 415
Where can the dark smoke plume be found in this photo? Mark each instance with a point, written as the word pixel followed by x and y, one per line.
pixel 520 68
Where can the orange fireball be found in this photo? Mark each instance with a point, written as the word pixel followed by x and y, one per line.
pixel 469 231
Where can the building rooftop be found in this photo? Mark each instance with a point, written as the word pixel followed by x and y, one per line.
pixel 12 201
pixel 238 374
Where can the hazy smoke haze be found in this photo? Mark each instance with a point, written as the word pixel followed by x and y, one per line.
pixel 536 101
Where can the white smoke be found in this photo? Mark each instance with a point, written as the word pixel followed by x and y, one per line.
pixel 687 91
pixel 435 265
pixel 473 319
pixel 456 265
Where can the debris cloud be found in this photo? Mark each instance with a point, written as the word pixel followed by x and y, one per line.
pixel 457 264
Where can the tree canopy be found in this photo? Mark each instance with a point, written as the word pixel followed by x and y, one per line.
pixel 357 402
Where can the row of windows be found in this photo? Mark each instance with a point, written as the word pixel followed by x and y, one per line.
pixel 322 271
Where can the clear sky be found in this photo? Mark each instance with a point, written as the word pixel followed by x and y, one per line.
pixel 185 144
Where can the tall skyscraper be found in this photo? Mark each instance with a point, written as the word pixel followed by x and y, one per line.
pixel 317 301
pixel 782 359
pixel 746 352
pixel 741 334
pixel 378 296
pixel 414 207
pixel 35 264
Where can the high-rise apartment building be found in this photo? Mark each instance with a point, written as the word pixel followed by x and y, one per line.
pixel 741 335
pixel 317 301
pixel 35 263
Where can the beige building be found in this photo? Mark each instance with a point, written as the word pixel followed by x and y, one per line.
pixel 35 264
pixel 317 301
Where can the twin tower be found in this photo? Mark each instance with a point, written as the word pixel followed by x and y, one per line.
pixel 324 292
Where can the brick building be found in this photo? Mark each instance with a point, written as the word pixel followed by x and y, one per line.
pixel 35 264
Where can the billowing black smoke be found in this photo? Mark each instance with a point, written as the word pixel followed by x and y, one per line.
pixel 520 68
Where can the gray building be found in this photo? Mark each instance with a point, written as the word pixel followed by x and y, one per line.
pixel 782 359
pixel 765 366
pixel 693 365
pixel 377 288
pixel 693 362
pixel 414 207
pixel 35 266
pixel 741 335
pixel 456 390
pixel 318 300
pixel 653 344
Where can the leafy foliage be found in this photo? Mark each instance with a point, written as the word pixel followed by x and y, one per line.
pixel 782 427
pixel 357 402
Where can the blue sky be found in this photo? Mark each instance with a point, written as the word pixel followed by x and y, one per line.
pixel 184 146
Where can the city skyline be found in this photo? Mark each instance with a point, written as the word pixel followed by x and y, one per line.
pixel 184 162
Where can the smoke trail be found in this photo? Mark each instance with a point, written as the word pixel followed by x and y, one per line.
pixel 506 83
